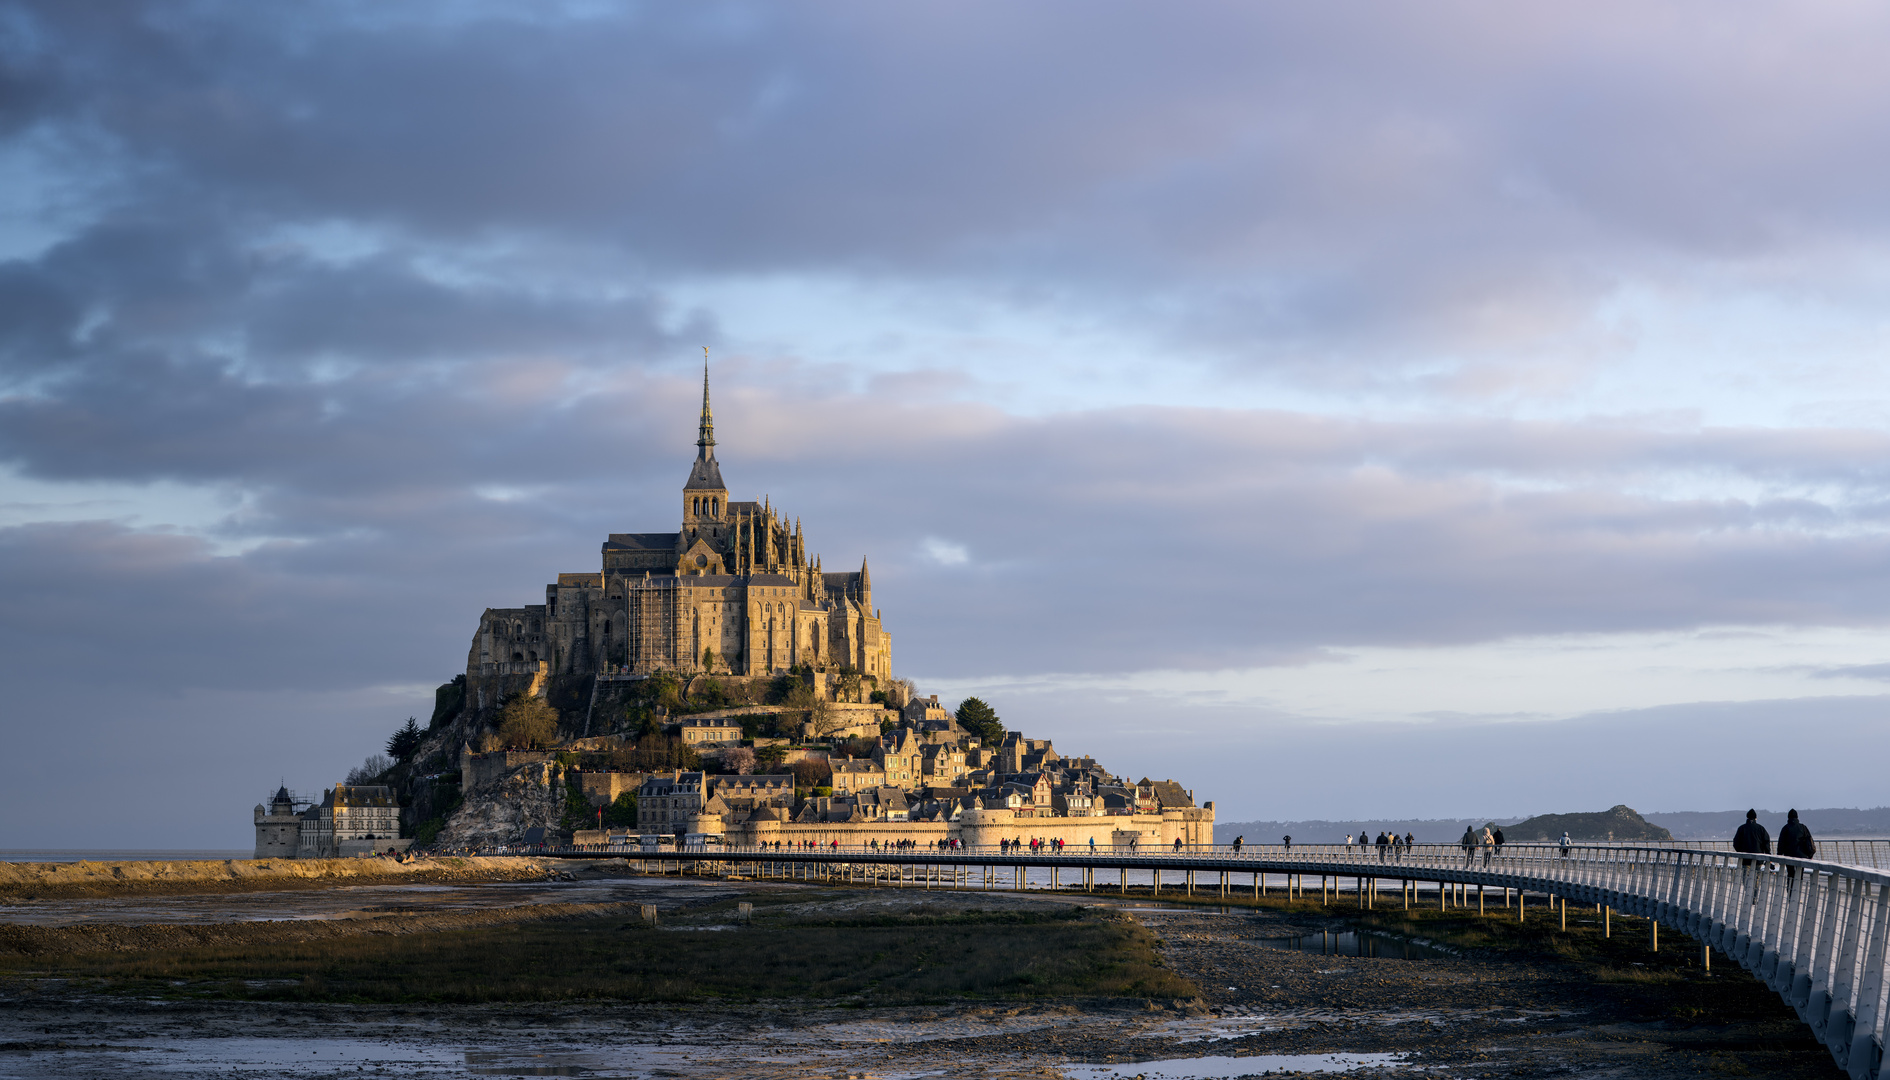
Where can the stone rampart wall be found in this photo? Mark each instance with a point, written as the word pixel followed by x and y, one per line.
pixel 986 828
pixel 602 788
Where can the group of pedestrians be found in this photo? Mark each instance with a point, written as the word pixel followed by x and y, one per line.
pixel 1389 844
pixel 1039 846
pixel 1489 841
pixel 1794 842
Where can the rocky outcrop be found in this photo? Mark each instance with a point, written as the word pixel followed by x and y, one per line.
pixel 1619 823
pixel 502 809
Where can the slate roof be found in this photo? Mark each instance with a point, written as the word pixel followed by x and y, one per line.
pixel 1171 795
pixel 705 474
pixel 665 542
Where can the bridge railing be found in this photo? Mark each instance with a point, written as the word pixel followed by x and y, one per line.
pixel 1870 853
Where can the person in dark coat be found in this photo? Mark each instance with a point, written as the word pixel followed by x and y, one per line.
pixel 1752 839
pixel 1794 842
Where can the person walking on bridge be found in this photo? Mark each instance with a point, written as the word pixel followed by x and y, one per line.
pixel 1287 841
pixel 1237 841
pixel 1489 845
pixel 1794 842
pixel 1752 839
pixel 1469 844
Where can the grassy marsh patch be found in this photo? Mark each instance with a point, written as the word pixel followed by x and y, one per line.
pixel 865 959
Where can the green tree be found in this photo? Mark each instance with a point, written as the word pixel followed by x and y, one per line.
pixel 979 718
pixel 402 743
pixel 710 693
pixel 528 723
pixel 652 753
pixel 622 812
pixel 578 811
pixel 661 688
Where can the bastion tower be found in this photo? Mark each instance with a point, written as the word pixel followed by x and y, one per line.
pixel 733 591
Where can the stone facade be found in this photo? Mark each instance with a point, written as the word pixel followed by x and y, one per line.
pixel 347 812
pixel 278 829
pixel 732 591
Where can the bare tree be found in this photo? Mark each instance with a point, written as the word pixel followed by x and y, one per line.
pixel 368 770
pixel 528 722
pixel 822 717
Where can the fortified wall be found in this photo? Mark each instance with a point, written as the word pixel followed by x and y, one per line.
pixel 985 828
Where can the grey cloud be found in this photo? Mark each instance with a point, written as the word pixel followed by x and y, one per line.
pixel 1570 763
pixel 1155 537
pixel 1308 182
pixel 1880 672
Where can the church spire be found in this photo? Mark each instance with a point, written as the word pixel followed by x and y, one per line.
pixel 705 434
pixel 705 496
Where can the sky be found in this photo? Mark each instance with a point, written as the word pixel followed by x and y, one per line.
pixel 1346 410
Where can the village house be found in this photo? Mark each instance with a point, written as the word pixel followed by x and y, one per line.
pixel 713 732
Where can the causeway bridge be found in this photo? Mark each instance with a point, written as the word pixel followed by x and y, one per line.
pixel 1813 930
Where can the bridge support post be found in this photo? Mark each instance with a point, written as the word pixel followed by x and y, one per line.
pixel 1522 904
pixel 1607 921
pixel 1653 933
pixel 1404 887
pixel 1155 882
pixel 1565 913
pixel 1706 957
pixel 1125 881
pixel 1479 898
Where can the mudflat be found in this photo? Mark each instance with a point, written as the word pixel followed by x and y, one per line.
pixel 819 981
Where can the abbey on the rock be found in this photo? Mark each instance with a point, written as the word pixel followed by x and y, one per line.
pixel 732 592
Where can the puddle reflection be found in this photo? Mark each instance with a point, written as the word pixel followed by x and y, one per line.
pixel 1347 943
